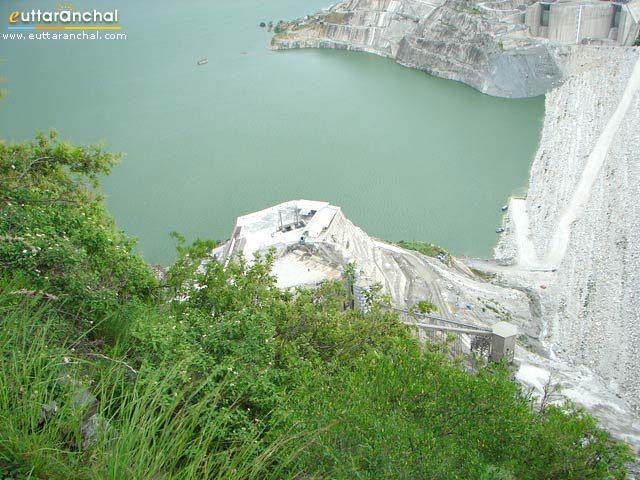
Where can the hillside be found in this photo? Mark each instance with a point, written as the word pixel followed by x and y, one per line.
pixel 214 372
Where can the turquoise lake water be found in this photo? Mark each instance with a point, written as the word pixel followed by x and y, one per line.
pixel 406 155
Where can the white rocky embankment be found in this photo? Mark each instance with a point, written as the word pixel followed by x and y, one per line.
pixel 331 241
pixel 485 45
pixel 374 26
pixel 579 228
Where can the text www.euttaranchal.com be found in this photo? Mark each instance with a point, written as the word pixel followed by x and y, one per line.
pixel 56 36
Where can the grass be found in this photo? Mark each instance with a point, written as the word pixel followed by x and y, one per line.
pixel 147 430
pixel 334 18
pixel 363 399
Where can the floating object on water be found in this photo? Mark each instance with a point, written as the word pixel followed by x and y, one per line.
pixel 505 208
pixel 543 287
pixel 262 24
pixel 203 61
pixel 500 230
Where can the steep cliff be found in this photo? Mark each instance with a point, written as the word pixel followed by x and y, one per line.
pixel 485 45
pixel 580 222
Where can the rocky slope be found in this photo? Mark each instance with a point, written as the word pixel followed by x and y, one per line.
pixel 579 227
pixel 484 45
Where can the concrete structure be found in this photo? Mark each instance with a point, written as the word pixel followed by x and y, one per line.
pixel 629 24
pixel 499 342
pixel 575 21
pixel 503 342
pixel 282 228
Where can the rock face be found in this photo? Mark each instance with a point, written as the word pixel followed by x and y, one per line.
pixel 580 221
pixel 485 45
pixel 472 45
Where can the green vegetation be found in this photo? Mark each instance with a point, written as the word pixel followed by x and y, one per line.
pixel 425 248
pixel 425 306
pixel 485 276
pixel 280 27
pixel 215 373
pixel 335 18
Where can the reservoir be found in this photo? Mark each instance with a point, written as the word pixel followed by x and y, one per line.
pixel 407 156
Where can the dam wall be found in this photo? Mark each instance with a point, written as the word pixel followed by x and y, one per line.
pixel 629 24
pixel 573 22
pixel 581 217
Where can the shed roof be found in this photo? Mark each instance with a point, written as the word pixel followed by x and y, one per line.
pixel 504 329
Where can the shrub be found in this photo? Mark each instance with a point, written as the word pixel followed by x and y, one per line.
pixel 56 236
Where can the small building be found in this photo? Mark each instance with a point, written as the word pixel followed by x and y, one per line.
pixel 503 342
pixel 572 21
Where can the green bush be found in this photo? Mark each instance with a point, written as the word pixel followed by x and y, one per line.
pixel 407 413
pixel 57 238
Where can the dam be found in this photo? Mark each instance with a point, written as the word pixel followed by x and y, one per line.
pixel 577 21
